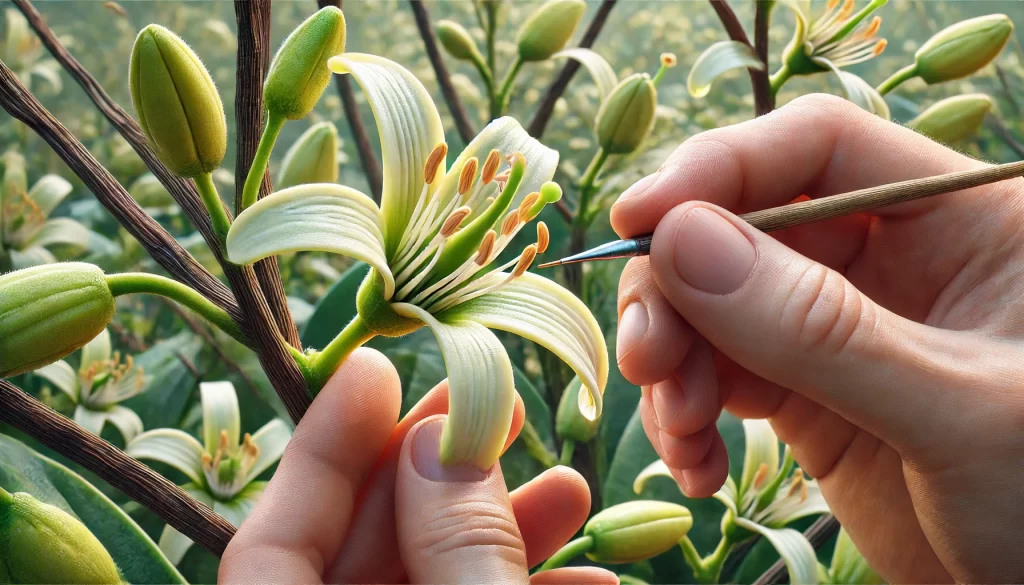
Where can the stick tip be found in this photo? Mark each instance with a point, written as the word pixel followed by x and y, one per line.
pixel 550 264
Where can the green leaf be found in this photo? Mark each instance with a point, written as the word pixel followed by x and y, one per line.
pixel 136 555
pixel 717 59
pixel 335 309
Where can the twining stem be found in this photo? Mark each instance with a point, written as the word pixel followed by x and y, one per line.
pixel 709 568
pixel 535 447
pixel 778 79
pixel 213 203
pixel 894 81
pixel 568 449
pixel 485 74
pixel 323 364
pixel 498 105
pixel 138 282
pixel 492 30
pixel 586 187
pixel 568 552
pixel 251 190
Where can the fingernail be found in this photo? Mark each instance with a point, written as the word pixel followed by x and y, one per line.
pixel 710 254
pixel 637 189
pixel 426 449
pixel 632 328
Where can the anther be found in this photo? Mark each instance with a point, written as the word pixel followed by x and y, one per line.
pixel 224 441
pixel 454 221
pixel 468 175
pixel 879 47
pixel 797 484
pixel 491 165
pixel 543 237
pixel 760 476
pixel 510 224
pixel 207 461
pixel 434 161
pixel 525 260
pixel 668 60
pixel 847 10
pixel 832 4
pixel 483 254
pixel 876 23
pixel 526 204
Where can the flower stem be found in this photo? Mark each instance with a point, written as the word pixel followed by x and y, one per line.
pixel 567 553
pixel 587 186
pixel 907 73
pixel 568 448
pixel 778 79
pixel 251 190
pixel 137 282
pixel 5 498
pixel 214 205
pixel 323 365
pixel 498 106
pixel 535 447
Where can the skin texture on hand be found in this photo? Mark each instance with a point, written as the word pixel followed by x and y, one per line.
pixel 329 513
pixel 885 348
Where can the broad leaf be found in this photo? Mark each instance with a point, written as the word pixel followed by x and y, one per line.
pixel 717 59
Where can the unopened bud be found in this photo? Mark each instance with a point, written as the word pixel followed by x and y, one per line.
pixel 298 74
pixel 962 49
pixel 48 312
pixel 569 421
pixel 954 119
pixel 457 40
pixel 178 106
pixel 626 116
pixel 635 531
pixel 312 159
pixel 549 28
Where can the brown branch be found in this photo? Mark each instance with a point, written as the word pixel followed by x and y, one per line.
pixel 444 79
pixel 1004 133
pixel 557 88
pixel 183 191
pixel 138 482
pixel 253 18
pixel 818 534
pixel 764 101
pixel 367 156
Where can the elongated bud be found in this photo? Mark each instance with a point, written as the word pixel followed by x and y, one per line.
pixel 312 159
pixel 962 49
pixel 626 117
pixel 457 40
pixel 954 119
pixel 178 106
pixel 549 28
pixel 298 74
pixel 40 543
pixel 634 531
pixel 569 421
pixel 48 312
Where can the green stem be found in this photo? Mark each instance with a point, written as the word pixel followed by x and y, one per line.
pixel 709 568
pixel 535 447
pixel 587 187
pixel 907 73
pixel 214 205
pixel 499 105
pixel 692 557
pixel 141 283
pixel 778 79
pixel 251 190
pixel 6 499
pixel 492 29
pixel 568 448
pixel 567 553
pixel 323 365
pixel 485 74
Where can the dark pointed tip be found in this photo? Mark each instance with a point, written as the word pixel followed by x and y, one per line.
pixel 550 264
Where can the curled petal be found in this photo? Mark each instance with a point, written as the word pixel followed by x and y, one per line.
pixel 271 440
pixel 602 73
pixel 762 449
pixel 63 376
pixel 174 544
pixel 96 351
pixel 127 422
pixel 717 59
pixel 657 469
pixel 793 547
pixel 176 448
pixel 220 415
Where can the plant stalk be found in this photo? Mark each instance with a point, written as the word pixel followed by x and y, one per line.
pixel 251 190
pixel 568 552
pixel 568 448
pixel 896 79
pixel 214 205
pixel 500 104
pixel 323 364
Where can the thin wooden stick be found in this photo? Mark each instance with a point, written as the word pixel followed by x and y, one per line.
pixel 175 507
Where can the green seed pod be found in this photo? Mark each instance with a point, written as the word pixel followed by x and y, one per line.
pixel 457 40
pixel 299 74
pixel 569 421
pixel 48 312
pixel 954 119
pixel 626 116
pixel 178 106
pixel 549 28
pixel 962 49
pixel 40 543
pixel 635 531
pixel 312 159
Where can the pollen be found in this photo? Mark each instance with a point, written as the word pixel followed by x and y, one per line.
pixel 468 175
pixel 847 10
pixel 510 224
pixel 249 447
pixel 872 29
pixel 454 220
pixel 798 485
pixel 525 260
pixel 207 461
pixel 543 237
pixel 760 476
pixel 483 254
pixel 528 202
pixel 879 47
pixel 433 163
pixel 668 60
pixel 491 165
pixel 832 4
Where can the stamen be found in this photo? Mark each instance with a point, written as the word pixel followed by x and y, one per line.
pixel 527 203
pixel 879 47
pixel 543 237
pixel 468 175
pixel 760 476
pixel 847 10
pixel 483 254
pixel 224 441
pixel 502 178
pixel 872 29
pixel 525 260
pixel 454 221
pixel 797 484
pixel 510 224
pixel 832 4
pixel 668 60
pixel 207 461
pixel 433 163
pixel 491 166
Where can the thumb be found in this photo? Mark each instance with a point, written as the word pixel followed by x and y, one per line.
pixel 801 325
pixel 455 524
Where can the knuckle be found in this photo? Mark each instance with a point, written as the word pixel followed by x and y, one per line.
pixel 822 102
pixel 824 312
pixel 487 528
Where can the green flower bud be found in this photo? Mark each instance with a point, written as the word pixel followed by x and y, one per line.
pixel 569 421
pixel 148 191
pixel 635 531
pixel 48 312
pixel 457 40
pixel 178 106
pixel 962 49
pixel 549 28
pixel 312 159
pixel 626 116
pixel 40 543
pixel 299 74
pixel 953 119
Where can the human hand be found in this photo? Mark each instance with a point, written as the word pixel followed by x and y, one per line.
pixel 358 498
pixel 885 349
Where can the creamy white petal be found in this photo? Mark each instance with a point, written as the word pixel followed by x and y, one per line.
pixel 174 544
pixel 762 448
pixel 90 420
pixel 727 494
pixel 220 413
pixel 126 421
pixel 176 448
pixel 715 61
pixel 271 439
pixel 62 231
pixel 48 192
pixel 657 469
pixel 789 508
pixel 793 547
pixel 600 70
pixel 859 91
pixel 98 350
pixel 31 256
pixel 63 376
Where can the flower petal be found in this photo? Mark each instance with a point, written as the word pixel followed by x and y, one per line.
pixel 48 192
pixel 125 420
pixel 62 231
pixel 409 127
pixel 784 510
pixel 859 91
pixel 600 71
pixel 793 547
pixel 31 256
pixel 801 10
pixel 540 310
pixel 481 388
pixel 657 469
pixel 716 60
pixel 176 448
pixel 762 448
pixel 63 376
pixel 727 495
pixel 220 413
pixel 319 217
pixel 271 440
pixel 238 508
pixel 96 351
pixel 89 419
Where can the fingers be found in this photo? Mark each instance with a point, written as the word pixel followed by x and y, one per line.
pixel 455 523
pixel 549 509
pixel 304 514
pixel 575 576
